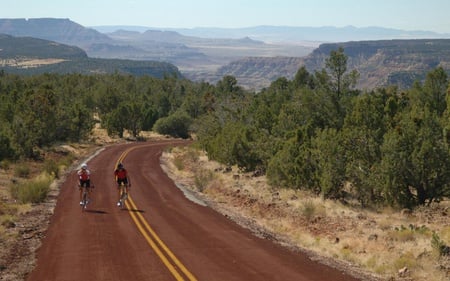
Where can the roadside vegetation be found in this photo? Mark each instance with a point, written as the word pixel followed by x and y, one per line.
pixel 373 244
pixel 315 137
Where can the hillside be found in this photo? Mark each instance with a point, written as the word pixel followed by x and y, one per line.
pixel 26 55
pixel 37 48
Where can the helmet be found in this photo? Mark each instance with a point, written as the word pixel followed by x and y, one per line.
pixel 84 166
pixel 120 166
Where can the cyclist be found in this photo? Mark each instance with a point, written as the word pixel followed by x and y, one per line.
pixel 121 176
pixel 84 178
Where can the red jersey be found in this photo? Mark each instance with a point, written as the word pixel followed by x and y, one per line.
pixel 120 173
pixel 84 175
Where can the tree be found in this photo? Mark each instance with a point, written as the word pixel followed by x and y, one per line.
pixel 336 63
pixel 435 89
pixel 362 133
pixel 294 166
pixel 341 84
pixel 175 125
pixel 415 165
pixel 303 79
pixel 328 154
pixel 228 85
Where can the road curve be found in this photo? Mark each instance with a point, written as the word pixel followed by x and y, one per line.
pixel 160 235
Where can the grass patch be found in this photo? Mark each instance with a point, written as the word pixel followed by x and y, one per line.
pixel 308 209
pixel 22 171
pixel 445 234
pixel 410 233
pixel 32 191
pixel 193 155
pixel 51 167
pixel 179 163
pixel 7 221
pixel 405 260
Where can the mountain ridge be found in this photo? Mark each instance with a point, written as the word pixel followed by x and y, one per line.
pixel 297 34
pixel 254 62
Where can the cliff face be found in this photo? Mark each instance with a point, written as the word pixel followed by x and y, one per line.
pixel 387 62
pixel 380 63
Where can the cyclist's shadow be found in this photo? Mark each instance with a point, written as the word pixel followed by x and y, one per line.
pixel 96 212
pixel 133 210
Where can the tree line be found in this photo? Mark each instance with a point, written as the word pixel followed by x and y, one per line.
pixel 385 146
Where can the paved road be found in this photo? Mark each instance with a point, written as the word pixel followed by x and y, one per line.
pixel 160 235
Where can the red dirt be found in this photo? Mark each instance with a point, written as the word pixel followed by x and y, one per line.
pixel 162 236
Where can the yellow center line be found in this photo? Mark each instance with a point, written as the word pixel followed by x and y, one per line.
pixel 153 239
pixel 159 241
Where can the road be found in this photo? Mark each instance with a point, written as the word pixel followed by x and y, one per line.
pixel 160 235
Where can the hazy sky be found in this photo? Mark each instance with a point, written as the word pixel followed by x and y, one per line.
pixel 429 15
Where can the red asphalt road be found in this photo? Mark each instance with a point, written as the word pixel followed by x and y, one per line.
pixel 161 235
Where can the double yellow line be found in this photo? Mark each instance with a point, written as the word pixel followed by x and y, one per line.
pixel 175 267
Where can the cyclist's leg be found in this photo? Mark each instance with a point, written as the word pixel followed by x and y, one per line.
pixel 84 196
pixel 126 186
pixel 81 191
pixel 88 189
pixel 119 191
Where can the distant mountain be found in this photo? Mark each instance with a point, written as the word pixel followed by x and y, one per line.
pixel 59 30
pixel 256 56
pixel 292 34
pixel 188 53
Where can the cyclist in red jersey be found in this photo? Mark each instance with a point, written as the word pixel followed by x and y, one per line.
pixel 121 176
pixel 84 179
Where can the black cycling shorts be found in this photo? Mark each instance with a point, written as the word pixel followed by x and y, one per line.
pixel 86 183
pixel 124 181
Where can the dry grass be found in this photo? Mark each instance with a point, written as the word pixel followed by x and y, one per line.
pixel 381 243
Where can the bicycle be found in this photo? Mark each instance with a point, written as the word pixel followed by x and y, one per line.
pixel 85 196
pixel 123 195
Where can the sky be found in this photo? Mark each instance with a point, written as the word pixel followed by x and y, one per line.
pixel 425 15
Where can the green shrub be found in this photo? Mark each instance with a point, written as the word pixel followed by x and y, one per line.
pixel 175 125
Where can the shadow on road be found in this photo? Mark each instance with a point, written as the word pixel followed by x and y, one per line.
pixel 96 212
pixel 133 210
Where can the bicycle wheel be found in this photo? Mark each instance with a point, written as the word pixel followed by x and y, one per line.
pixel 123 196
pixel 84 199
